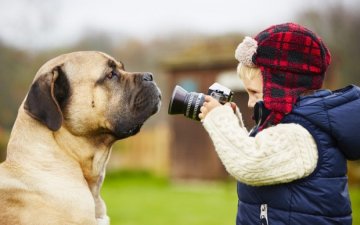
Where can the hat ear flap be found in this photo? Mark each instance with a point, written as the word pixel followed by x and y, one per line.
pixel 46 96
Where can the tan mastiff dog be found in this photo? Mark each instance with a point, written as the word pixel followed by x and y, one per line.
pixel 78 105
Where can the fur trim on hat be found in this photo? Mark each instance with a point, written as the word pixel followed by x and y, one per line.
pixel 245 51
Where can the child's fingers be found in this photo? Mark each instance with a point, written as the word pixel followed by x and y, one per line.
pixel 233 106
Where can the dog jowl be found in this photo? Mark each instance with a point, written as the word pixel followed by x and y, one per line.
pixel 78 105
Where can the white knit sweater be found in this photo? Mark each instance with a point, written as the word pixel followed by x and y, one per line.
pixel 278 154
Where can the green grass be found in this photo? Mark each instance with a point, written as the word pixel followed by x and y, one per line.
pixel 142 199
pixel 355 203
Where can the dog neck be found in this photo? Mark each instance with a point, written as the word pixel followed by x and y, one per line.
pixel 91 154
pixel 56 149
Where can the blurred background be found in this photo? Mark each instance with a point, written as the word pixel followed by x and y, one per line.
pixel 169 172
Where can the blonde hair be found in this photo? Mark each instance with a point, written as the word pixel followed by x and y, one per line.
pixel 247 71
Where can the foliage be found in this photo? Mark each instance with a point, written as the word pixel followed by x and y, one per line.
pixel 339 27
pixel 4 136
pixel 13 81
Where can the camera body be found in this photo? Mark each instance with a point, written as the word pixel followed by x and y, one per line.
pixel 189 103
pixel 220 93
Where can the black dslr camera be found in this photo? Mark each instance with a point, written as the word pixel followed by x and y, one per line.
pixel 189 103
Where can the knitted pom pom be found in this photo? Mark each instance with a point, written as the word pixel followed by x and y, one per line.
pixel 245 51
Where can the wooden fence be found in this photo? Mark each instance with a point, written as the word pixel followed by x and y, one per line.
pixel 148 150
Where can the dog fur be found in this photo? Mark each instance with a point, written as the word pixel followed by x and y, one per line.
pixel 78 105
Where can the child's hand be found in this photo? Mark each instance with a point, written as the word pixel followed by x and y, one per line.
pixel 233 106
pixel 208 105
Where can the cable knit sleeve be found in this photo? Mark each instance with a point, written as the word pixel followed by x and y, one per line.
pixel 278 154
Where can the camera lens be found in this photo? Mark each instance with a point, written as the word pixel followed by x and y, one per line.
pixel 193 102
pixel 187 103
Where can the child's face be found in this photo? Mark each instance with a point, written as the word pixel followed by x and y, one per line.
pixel 254 88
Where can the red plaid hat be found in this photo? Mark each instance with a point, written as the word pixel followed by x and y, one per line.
pixel 292 60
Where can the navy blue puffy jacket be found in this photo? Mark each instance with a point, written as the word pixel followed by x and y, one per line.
pixel 321 198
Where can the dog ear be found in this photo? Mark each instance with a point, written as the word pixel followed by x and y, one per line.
pixel 47 97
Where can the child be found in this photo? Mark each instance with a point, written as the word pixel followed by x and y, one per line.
pixel 292 168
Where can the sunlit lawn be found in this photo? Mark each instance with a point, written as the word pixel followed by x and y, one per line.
pixel 141 199
pixel 355 200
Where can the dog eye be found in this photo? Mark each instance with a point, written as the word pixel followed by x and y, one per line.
pixel 112 74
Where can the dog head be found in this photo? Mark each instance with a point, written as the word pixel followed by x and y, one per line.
pixel 90 93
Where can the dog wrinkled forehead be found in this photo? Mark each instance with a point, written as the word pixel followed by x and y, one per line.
pixel 77 63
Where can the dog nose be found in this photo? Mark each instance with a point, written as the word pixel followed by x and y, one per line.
pixel 148 77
